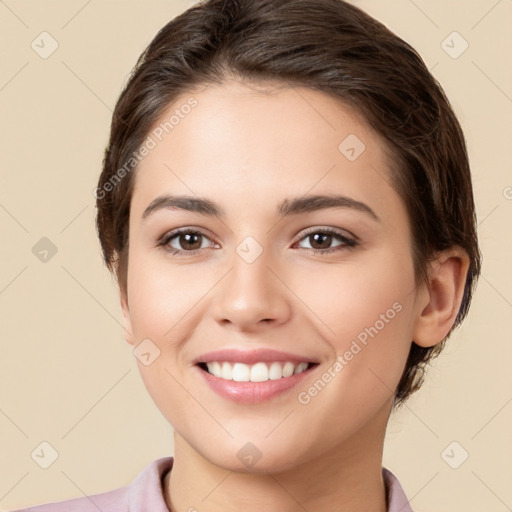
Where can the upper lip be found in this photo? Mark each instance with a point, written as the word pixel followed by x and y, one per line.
pixel 236 355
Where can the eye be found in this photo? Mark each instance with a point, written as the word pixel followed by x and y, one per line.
pixel 183 241
pixel 320 240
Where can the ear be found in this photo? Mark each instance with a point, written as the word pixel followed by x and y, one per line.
pixel 127 321
pixel 442 298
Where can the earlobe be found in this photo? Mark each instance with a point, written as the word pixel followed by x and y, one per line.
pixel 447 279
pixel 127 323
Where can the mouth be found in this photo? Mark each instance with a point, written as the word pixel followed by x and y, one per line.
pixel 252 377
pixel 258 372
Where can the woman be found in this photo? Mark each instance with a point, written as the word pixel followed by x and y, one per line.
pixel 286 203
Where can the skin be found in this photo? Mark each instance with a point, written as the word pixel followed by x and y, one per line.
pixel 248 148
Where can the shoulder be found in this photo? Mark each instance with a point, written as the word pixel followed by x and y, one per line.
pixel 107 502
pixel 396 497
pixel 145 490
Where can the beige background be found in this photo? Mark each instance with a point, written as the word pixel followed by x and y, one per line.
pixel 67 376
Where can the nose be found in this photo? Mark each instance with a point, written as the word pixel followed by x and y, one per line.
pixel 251 296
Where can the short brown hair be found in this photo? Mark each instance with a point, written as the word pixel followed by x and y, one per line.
pixel 326 45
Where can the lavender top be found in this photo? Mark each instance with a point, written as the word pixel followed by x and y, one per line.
pixel 146 493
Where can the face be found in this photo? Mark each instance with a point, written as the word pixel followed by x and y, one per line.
pixel 278 297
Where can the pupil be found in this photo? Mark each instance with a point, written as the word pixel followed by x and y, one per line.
pixel 189 239
pixel 319 238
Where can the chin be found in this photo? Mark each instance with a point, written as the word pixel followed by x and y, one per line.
pixel 254 458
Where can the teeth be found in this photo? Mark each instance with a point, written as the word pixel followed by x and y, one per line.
pixel 241 372
pixel 216 368
pixel 288 369
pixel 275 371
pixel 300 368
pixel 226 372
pixel 259 372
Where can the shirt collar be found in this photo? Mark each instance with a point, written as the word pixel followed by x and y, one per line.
pixel 147 489
pixel 397 500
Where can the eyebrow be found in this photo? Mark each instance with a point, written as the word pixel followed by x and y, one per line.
pixel 288 207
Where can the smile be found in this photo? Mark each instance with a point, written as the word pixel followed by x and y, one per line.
pixel 258 372
pixel 253 376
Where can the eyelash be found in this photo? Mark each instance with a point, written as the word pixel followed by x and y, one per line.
pixel 347 243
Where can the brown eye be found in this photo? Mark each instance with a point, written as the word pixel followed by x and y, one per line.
pixel 322 240
pixel 185 241
pixel 189 241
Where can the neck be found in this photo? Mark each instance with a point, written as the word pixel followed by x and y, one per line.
pixel 347 478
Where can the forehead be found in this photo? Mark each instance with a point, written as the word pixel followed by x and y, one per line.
pixel 264 139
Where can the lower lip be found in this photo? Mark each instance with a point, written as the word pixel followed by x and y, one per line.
pixel 252 392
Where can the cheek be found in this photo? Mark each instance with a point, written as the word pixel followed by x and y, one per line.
pixel 359 295
pixel 366 310
pixel 162 301
pixel 162 296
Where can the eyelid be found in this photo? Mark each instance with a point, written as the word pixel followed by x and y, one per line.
pixel 348 239
pixel 343 233
pixel 165 239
